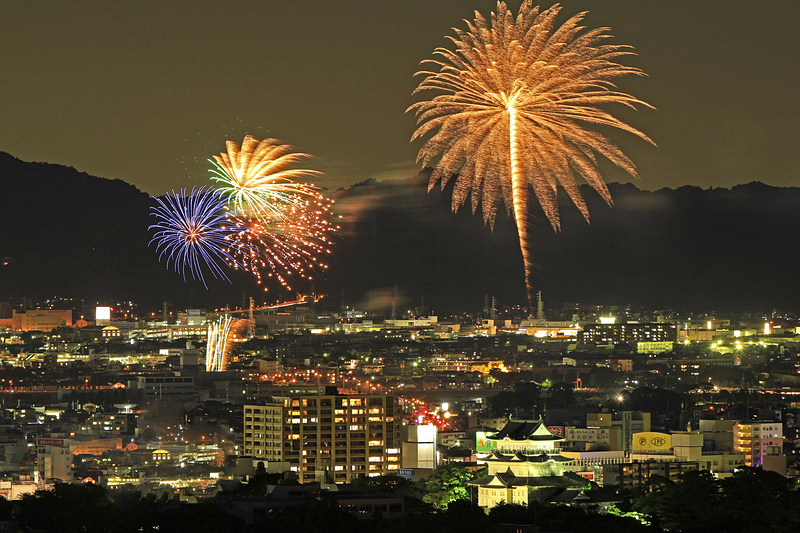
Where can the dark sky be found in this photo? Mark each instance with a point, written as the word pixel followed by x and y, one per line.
pixel 146 91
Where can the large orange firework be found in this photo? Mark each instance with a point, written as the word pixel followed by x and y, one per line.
pixel 516 97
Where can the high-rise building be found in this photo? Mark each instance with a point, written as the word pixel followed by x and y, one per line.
pixel 326 438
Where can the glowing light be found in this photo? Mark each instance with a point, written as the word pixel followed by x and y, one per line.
pixel 517 96
pixel 220 332
pixel 282 226
pixel 193 233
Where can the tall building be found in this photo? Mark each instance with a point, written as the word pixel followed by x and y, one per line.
pixel 327 438
pixel 757 439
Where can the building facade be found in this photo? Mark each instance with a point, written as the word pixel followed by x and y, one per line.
pixel 326 438
pixel 627 333
pixel 757 439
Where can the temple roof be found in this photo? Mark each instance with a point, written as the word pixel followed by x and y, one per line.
pixel 521 457
pixel 534 430
pixel 508 479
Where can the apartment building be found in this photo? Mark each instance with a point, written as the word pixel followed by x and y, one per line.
pixel 756 439
pixel 326 438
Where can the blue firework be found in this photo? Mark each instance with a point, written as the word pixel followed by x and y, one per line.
pixel 193 233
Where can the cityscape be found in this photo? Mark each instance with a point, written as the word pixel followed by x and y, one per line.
pixel 272 312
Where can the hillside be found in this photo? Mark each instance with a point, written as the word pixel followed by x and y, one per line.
pixel 74 235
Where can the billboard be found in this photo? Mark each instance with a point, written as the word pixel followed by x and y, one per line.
pixel 649 441
pixel 49 442
pixel 597 435
pixel 195 317
pixel 102 313
pixel 483 443
pixel 556 430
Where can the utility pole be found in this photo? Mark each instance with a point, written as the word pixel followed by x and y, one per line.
pixel 251 324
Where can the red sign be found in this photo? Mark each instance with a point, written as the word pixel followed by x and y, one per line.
pixel 49 442
pixel 556 430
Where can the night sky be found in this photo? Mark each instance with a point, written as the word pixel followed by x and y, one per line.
pixel 147 91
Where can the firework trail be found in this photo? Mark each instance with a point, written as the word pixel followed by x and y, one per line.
pixel 194 234
pixel 515 100
pixel 219 336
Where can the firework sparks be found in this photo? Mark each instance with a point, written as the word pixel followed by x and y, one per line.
pixel 194 234
pixel 517 95
pixel 258 178
pixel 219 336
pixel 283 225
pixel 292 245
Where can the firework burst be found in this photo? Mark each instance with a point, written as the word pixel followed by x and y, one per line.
pixel 193 233
pixel 292 245
pixel 258 178
pixel 515 100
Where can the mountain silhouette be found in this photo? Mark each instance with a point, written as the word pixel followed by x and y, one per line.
pixel 65 233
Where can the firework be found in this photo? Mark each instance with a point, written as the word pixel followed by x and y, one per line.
pixel 258 178
pixel 293 244
pixel 193 233
pixel 282 225
pixel 516 97
pixel 219 336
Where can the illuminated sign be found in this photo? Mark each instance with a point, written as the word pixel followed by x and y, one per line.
pixel 556 430
pixel 483 443
pixel 102 313
pixel 649 441
pixel 597 435
pixel 49 442
pixel 406 473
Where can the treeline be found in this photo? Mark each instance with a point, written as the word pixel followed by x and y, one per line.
pixel 751 500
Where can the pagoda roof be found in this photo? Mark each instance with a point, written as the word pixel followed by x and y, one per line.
pixel 521 457
pixel 508 479
pixel 534 430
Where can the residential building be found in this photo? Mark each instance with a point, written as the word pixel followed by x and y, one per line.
pixel 326 438
pixel 757 439
pixel 627 333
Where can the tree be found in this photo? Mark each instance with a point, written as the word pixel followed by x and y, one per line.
pixel 445 485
